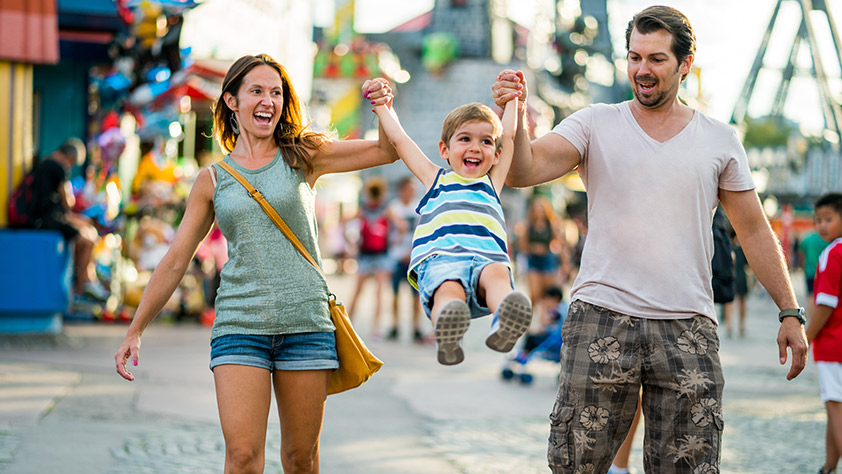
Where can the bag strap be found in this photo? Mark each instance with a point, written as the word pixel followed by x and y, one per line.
pixel 254 193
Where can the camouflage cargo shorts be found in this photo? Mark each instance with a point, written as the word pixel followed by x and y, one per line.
pixel 606 358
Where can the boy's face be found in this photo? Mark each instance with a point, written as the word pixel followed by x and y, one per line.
pixel 550 302
pixel 828 223
pixel 472 150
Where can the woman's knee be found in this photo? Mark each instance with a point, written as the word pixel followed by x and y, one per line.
pixel 300 459
pixel 242 459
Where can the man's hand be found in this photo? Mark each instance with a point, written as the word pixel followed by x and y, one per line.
pixel 509 85
pixel 791 334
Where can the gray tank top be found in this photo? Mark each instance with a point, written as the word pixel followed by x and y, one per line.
pixel 267 287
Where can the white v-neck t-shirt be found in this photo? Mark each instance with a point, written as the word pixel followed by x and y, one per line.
pixel 650 207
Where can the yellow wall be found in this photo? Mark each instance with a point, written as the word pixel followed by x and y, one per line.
pixel 15 129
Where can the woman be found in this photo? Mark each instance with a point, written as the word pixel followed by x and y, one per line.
pixel 272 327
pixel 538 239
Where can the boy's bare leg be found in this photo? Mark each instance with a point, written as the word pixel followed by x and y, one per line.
pixel 512 309
pixel 451 317
pixel 494 285
pixel 834 435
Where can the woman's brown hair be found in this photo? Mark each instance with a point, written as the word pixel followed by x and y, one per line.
pixel 290 134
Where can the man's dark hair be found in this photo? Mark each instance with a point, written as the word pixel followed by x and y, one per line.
pixel 833 200
pixel 669 19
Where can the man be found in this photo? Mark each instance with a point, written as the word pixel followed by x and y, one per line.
pixel 642 311
pixel 50 209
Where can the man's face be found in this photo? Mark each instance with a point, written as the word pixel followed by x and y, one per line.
pixel 654 71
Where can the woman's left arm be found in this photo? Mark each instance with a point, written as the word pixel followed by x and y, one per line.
pixel 339 156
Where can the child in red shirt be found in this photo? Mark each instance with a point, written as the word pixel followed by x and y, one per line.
pixel 824 330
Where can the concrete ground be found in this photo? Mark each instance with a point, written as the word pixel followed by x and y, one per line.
pixel 63 409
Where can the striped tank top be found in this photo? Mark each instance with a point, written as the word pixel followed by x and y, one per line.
pixel 459 216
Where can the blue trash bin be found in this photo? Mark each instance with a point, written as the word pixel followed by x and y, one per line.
pixel 35 281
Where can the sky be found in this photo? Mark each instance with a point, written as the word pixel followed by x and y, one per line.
pixel 728 35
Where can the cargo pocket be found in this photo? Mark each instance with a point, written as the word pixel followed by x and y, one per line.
pixel 716 444
pixel 705 460
pixel 560 453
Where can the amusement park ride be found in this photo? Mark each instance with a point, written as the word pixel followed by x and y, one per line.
pixel 831 110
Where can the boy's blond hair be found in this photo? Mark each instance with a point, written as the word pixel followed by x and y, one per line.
pixel 473 112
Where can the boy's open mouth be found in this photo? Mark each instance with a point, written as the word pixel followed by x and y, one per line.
pixel 471 163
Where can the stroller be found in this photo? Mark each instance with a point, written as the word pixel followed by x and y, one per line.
pixel 546 345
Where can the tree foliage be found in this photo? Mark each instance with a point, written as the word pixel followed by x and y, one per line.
pixel 766 132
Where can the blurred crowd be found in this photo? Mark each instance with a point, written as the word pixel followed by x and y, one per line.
pixel 126 222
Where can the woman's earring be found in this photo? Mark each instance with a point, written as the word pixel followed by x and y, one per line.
pixel 234 125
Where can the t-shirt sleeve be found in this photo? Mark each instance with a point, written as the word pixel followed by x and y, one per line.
pixel 736 175
pixel 828 284
pixel 576 129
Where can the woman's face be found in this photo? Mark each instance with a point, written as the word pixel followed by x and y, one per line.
pixel 259 102
pixel 537 210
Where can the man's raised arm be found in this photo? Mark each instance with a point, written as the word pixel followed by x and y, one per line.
pixel 545 159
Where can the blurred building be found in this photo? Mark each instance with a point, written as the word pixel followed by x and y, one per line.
pixel 46 50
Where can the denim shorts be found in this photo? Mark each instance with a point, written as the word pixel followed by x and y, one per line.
pixel 302 351
pixel 437 269
pixel 542 263
pixel 369 263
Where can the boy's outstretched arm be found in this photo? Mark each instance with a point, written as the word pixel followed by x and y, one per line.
pixel 417 162
pixel 501 169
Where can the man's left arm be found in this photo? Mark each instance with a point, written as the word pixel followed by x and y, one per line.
pixel 764 255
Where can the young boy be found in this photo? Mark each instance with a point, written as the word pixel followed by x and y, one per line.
pixel 824 331
pixel 459 261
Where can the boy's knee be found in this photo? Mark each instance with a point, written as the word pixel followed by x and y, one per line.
pixel 450 289
pixel 495 270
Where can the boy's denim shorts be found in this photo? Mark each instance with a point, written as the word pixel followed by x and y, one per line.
pixel 302 351
pixel 437 269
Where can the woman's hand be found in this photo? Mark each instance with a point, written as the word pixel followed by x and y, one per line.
pixel 378 92
pixel 129 349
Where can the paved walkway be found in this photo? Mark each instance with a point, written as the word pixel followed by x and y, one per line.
pixel 64 410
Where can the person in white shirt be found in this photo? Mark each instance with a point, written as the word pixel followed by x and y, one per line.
pixel 642 312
